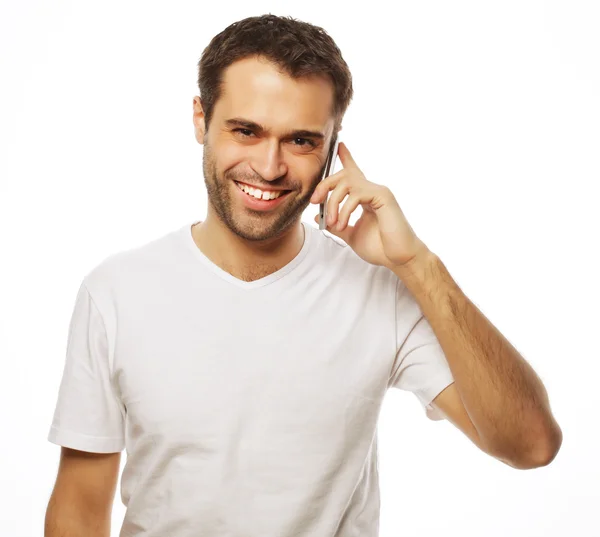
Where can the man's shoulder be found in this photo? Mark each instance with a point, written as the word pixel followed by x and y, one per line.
pixel 131 263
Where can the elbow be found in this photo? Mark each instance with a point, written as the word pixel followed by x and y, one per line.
pixel 539 453
pixel 549 448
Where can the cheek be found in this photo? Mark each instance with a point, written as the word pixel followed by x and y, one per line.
pixel 315 178
pixel 307 171
pixel 232 168
pixel 227 156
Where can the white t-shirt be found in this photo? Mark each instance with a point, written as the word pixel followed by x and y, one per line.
pixel 247 409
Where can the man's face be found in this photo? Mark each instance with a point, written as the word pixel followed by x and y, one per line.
pixel 276 156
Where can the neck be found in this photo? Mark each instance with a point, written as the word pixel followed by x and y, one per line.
pixel 245 259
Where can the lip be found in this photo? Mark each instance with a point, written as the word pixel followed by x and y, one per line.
pixel 258 204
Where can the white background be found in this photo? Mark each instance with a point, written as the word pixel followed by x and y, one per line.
pixel 481 116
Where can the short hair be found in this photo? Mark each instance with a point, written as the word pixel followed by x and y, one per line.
pixel 298 48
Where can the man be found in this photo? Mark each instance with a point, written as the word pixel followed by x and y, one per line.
pixel 243 359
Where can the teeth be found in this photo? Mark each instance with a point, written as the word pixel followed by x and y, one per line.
pixel 259 194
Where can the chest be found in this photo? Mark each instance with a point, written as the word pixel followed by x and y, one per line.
pixel 202 377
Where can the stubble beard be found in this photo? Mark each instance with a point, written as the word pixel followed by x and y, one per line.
pixel 253 225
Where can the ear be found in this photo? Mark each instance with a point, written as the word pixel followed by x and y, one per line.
pixel 198 118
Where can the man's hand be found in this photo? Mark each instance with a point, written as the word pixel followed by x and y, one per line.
pixel 382 235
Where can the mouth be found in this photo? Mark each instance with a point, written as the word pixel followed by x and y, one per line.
pixel 259 193
pixel 259 199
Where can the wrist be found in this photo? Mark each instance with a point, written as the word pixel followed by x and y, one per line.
pixel 418 266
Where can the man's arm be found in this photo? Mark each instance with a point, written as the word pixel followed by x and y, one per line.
pixel 504 398
pixel 83 495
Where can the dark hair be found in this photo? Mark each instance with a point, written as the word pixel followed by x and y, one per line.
pixel 298 48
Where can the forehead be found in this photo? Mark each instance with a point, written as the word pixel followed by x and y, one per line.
pixel 255 89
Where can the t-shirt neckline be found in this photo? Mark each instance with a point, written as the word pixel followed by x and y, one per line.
pixel 186 232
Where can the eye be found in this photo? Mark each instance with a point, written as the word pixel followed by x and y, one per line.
pixel 244 132
pixel 309 142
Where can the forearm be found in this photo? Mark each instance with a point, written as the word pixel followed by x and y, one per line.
pixel 67 520
pixel 502 394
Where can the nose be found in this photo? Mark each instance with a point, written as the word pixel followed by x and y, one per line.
pixel 268 160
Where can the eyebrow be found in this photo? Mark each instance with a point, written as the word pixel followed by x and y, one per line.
pixel 247 124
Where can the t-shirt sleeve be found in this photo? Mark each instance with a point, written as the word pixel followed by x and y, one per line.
pixel 420 365
pixel 88 415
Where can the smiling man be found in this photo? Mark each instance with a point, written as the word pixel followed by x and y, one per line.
pixel 242 359
pixel 263 157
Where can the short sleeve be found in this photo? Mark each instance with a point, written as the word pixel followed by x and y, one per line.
pixel 420 365
pixel 88 415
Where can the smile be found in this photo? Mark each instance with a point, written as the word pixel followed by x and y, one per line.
pixel 260 194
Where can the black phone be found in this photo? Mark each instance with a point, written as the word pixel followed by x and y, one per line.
pixel 328 170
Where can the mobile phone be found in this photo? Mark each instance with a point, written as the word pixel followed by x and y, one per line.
pixel 329 167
